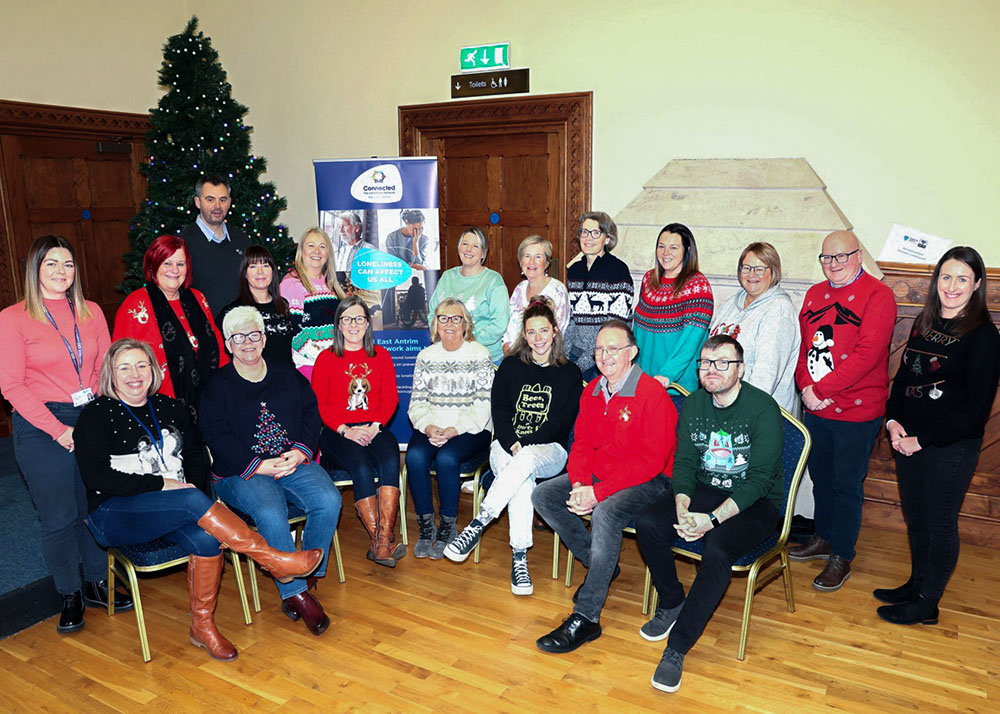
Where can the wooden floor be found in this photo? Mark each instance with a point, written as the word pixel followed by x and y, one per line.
pixel 436 636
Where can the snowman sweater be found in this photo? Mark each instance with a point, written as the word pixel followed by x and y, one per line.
pixel 844 353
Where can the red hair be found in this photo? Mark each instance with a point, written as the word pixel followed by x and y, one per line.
pixel 161 249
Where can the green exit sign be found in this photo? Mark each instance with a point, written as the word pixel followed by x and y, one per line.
pixel 481 57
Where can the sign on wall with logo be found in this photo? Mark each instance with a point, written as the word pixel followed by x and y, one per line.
pixel 382 218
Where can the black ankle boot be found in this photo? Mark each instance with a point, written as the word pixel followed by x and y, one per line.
pixel 71 618
pixel 95 594
pixel 906 592
pixel 920 611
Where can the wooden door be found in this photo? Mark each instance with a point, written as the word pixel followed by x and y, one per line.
pixel 82 189
pixel 525 161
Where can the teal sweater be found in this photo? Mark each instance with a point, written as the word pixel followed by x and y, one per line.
pixel 735 450
pixel 485 297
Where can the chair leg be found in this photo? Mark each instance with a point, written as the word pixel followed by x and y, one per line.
pixel 747 608
pixel 786 576
pixel 645 592
pixel 555 556
pixel 569 567
pixel 254 591
pixel 654 600
pixel 111 583
pixel 140 618
pixel 402 503
pixel 241 587
pixel 336 554
pixel 477 501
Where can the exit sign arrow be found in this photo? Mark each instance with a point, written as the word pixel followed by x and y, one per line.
pixel 477 58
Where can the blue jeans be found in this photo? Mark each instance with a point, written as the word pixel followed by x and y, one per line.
pixel 60 499
pixel 174 515
pixel 447 459
pixel 838 465
pixel 932 486
pixel 599 547
pixel 266 499
pixel 369 466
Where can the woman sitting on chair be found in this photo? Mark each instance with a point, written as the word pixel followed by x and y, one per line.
pixel 143 467
pixel 262 424
pixel 355 384
pixel 536 396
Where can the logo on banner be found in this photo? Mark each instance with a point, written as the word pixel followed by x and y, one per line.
pixel 381 184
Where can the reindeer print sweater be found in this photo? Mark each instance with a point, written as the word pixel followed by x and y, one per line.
pixel 355 388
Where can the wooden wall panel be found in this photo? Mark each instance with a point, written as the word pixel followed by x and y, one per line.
pixel 979 519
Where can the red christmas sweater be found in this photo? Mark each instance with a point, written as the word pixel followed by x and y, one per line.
pixel 355 388
pixel 845 347
pixel 626 441
pixel 135 319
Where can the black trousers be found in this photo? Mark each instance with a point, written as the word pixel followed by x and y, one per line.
pixel 723 546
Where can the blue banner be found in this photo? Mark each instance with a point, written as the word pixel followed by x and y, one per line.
pixel 382 218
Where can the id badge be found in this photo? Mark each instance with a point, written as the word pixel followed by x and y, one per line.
pixel 84 396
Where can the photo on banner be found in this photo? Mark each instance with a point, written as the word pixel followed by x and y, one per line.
pixel 382 218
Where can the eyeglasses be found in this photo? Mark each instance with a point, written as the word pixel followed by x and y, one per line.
pixel 453 319
pixel 757 270
pixel 609 351
pixel 826 258
pixel 239 338
pixel 593 232
pixel 720 364
pixel 347 320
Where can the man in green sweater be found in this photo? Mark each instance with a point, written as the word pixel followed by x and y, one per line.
pixel 727 489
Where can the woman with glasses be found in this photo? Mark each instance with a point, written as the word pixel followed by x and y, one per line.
pixel 673 311
pixel 535 399
pixel 600 287
pixel 480 289
pixel 355 384
pixel 763 319
pixel 535 257
pixel 259 288
pixel 936 414
pixel 450 413
pixel 262 424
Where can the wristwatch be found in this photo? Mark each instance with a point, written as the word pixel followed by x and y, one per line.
pixel 714 520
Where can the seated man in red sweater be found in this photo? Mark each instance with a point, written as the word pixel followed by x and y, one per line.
pixel 622 453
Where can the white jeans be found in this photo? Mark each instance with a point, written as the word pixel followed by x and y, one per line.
pixel 514 480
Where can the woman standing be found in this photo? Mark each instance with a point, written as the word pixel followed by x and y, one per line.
pixel 535 256
pixel 54 342
pixel 174 319
pixel 763 319
pixel 480 289
pixel 600 287
pixel 450 413
pixel 134 498
pixel 674 309
pixel 259 288
pixel 940 400
pixel 312 292
pixel 355 384
pixel 535 400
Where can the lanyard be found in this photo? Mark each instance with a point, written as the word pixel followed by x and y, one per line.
pixel 158 439
pixel 77 356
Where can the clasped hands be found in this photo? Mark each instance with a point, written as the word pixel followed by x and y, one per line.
pixel 362 433
pixel 581 499
pixel 438 436
pixel 906 445
pixel 812 402
pixel 281 466
pixel 691 525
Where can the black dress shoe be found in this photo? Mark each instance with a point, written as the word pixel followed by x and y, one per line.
pixel 614 577
pixel 95 594
pixel 71 618
pixel 920 611
pixel 576 630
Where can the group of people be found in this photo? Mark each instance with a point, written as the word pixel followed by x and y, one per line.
pixel 263 396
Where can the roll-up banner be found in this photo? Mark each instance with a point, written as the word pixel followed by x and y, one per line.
pixel 382 217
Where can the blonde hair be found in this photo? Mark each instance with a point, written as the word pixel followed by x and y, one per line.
pixel 33 304
pixel 241 315
pixel 329 274
pixel 768 255
pixel 449 302
pixel 106 381
pixel 535 240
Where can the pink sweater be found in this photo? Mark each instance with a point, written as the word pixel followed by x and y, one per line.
pixel 36 366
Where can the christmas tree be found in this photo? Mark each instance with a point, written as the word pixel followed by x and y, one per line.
pixel 198 128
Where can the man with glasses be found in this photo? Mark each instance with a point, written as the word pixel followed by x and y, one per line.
pixel 622 452
pixel 727 488
pixel 843 371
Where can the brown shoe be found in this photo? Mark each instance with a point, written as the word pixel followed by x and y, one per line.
pixel 813 549
pixel 307 608
pixel 834 575
pixel 387 551
pixel 367 509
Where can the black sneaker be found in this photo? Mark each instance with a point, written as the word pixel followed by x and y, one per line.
pixel 465 542
pixel 667 677
pixel 660 625
pixel 71 618
pixel 95 594
pixel 520 580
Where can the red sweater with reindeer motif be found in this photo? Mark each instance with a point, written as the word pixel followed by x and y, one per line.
pixel 355 388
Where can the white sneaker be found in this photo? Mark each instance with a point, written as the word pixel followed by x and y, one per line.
pixel 467 486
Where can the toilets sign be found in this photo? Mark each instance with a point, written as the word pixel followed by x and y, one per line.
pixel 477 58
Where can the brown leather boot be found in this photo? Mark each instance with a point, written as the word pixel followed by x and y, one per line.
pixel 367 509
pixel 231 531
pixel 388 510
pixel 204 575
